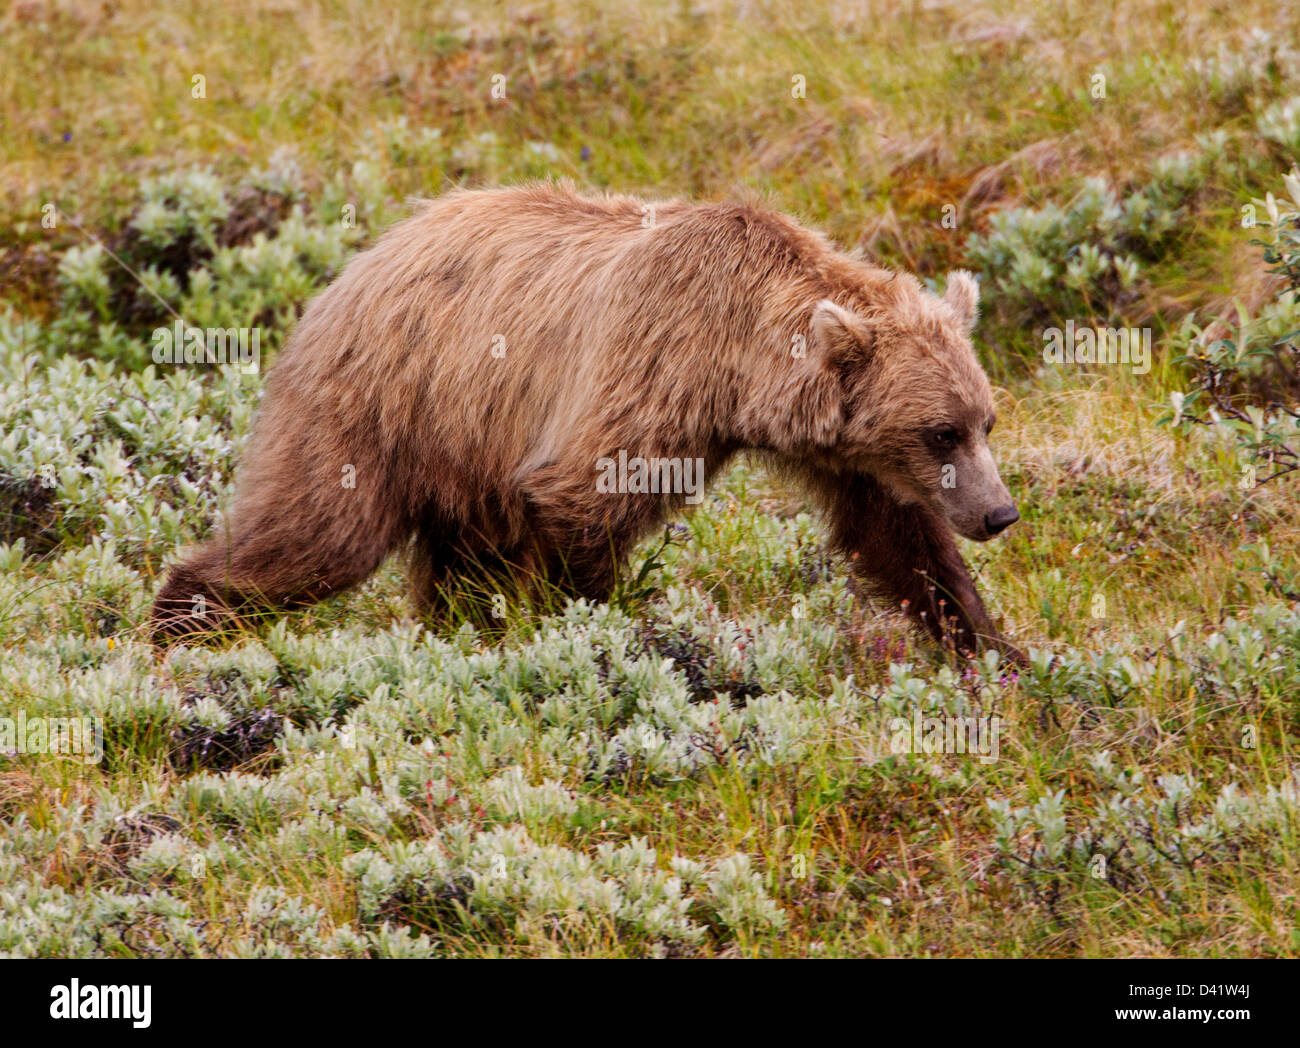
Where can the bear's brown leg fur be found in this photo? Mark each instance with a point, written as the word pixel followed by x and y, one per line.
pixel 908 555
pixel 446 578
pixel 434 561
pixel 581 537
pixel 266 562
pixel 465 571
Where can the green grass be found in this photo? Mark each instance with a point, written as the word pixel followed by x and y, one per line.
pixel 343 781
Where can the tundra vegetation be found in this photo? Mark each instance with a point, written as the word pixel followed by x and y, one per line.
pixel 703 766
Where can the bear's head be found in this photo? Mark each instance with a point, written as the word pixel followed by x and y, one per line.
pixel 893 389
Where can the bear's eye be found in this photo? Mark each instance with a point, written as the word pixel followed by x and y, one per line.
pixel 947 437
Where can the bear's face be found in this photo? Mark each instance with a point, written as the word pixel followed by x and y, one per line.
pixel 916 406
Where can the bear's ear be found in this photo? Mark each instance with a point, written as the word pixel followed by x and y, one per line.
pixel 805 406
pixel 963 295
pixel 836 334
pixel 816 411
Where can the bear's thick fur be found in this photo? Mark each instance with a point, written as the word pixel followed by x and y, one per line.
pixel 462 380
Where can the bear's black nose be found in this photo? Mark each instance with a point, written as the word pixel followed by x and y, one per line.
pixel 1001 519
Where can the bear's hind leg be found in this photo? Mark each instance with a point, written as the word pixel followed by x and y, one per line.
pixel 449 581
pixel 293 557
pixel 581 560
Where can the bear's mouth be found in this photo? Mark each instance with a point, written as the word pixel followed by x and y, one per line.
pixel 980 534
pixel 993 524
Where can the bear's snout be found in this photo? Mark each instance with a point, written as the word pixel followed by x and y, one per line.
pixel 1001 518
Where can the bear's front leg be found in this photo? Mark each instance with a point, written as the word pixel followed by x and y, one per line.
pixel 908 555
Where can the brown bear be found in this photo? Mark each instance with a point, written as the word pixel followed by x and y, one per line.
pixel 471 380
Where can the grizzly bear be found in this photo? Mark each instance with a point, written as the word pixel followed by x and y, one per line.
pixel 467 382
